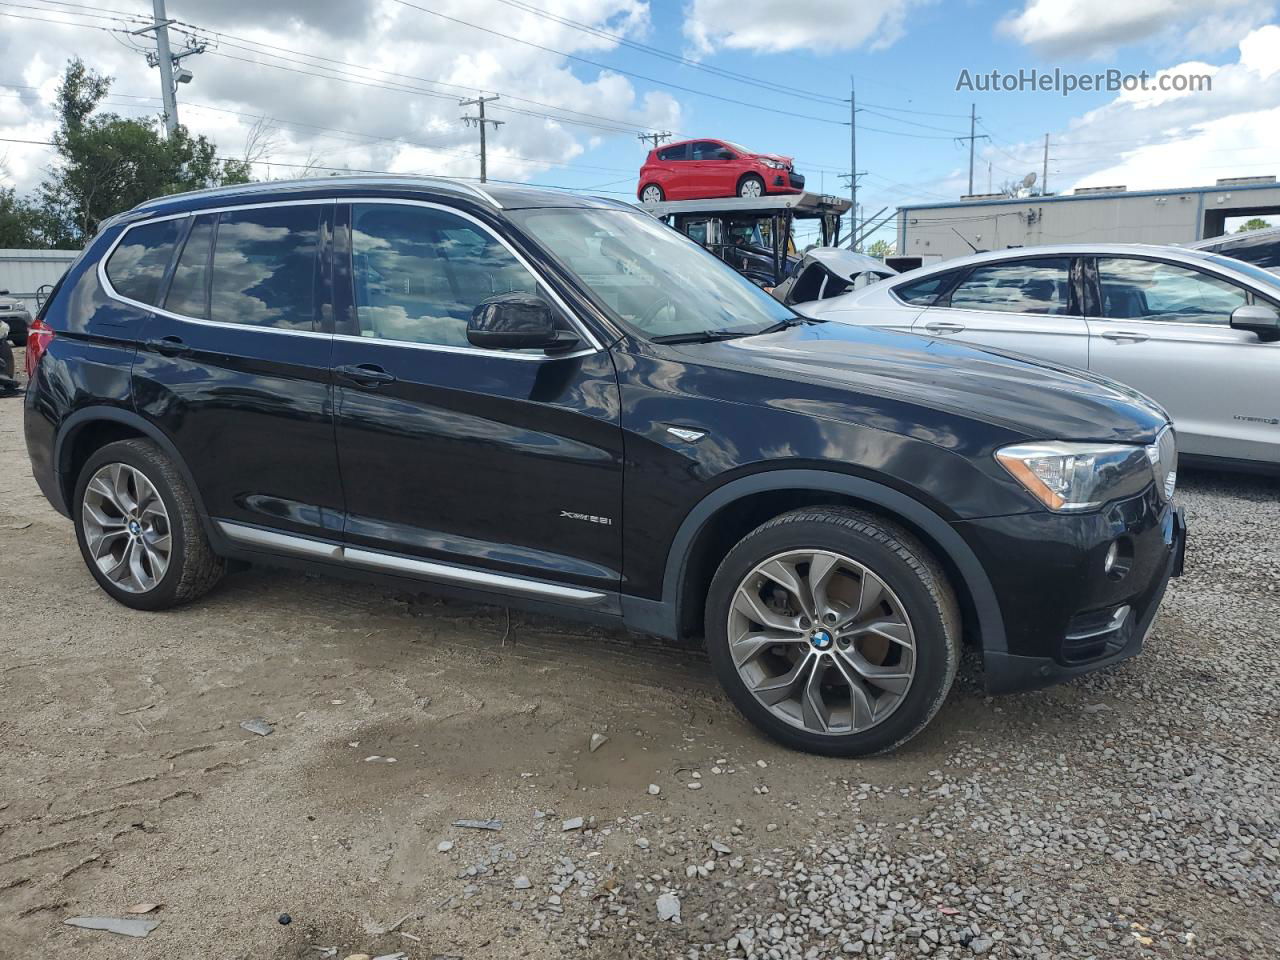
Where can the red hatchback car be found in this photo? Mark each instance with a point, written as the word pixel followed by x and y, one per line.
pixel 698 169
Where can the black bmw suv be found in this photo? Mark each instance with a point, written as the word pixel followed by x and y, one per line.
pixel 551 401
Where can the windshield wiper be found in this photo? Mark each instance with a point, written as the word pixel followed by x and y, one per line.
pixel 701 336
pixel 784 324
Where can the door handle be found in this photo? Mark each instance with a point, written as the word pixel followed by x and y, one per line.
pixel 169 346
pixel 944 326
pixel 1124 336
pixel 365 374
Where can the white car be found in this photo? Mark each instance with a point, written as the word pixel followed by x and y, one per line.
pixel 1194 330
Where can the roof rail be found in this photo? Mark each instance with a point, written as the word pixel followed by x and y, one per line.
pixel 312 183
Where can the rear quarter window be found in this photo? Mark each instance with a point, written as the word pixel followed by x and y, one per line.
pixel 923 292
pixel 137 266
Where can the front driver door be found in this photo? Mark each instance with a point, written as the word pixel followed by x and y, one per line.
pixel 489 461
pixel 1165 329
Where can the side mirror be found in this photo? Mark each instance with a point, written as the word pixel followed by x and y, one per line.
pixel 1261 319
pixel 517 321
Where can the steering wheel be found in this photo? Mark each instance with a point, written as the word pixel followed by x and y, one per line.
pixel 650 316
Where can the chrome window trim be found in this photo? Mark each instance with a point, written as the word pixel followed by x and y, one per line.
pixel 593 344
pixel 574 321
pixel 114 294
pixel 366 558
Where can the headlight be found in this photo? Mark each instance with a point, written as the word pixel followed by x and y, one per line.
pixel 1068 477
pixel 772 163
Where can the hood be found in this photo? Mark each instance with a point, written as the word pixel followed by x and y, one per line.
pixel 1037 400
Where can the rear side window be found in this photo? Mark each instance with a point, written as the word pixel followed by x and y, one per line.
pixel 1022 286
pixel 420 272
pixel 189 289
pixel 1261 252
pixel 137 266
pixel 679 152
pixel 264 267
pixel 923 292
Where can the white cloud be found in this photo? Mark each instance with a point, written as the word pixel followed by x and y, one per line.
pixel 1100 27
pixel 429 52
pixel 824 26
pixel 1150 140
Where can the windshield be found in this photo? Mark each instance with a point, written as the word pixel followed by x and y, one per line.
pixel 652 278
pixel 1269 280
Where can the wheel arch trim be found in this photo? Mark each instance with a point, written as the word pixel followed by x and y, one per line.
pixel 73 425
pixel 941 534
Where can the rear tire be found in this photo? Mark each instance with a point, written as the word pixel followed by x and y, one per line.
pixel 751 187
pixel 872 614
pixel 651 193
pixel 139 530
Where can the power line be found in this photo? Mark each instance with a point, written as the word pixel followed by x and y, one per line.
pixel 619 70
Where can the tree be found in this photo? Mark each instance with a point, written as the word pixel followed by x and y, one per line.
pixel 881 248
pixel 1253 223
pixel 19 221
pixel 108 163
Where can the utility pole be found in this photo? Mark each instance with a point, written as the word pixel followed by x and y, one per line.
pixel 1044 176
pixel 480 122
pixel 164 58
pixel 853 164
pixel 655 138
pixel 973 137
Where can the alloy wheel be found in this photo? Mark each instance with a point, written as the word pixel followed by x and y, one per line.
pixel 651 194
pixel 750 188
pixel 822 641
pixel 126 528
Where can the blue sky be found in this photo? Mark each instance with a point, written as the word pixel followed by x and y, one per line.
pixel 375 86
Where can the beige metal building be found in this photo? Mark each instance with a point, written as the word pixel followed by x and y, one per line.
pixel 23 272
pixel 938 231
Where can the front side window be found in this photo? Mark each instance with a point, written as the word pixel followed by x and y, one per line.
pixel 420 272
pixel 1150 290
pixel 1022 286
pixel 264 267
pixel 136 268
pixel 652 278
pixel 706 150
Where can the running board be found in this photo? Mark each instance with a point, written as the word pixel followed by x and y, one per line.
pixel 275 542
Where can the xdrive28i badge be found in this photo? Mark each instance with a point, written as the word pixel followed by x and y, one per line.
pixel 585 517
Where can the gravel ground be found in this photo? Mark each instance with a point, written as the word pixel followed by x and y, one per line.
pixel 1130 813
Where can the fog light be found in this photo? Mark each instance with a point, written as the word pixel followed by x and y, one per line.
pixel 1113 554
pixel 1119 558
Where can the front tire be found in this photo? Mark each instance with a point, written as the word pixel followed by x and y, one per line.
pixel 751 187
pixel 138 528
pixel 834 631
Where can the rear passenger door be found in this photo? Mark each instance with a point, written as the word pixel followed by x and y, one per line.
pixel 493 461
pixel 234 367
pixel 1028 306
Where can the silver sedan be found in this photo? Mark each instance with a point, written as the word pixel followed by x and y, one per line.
pixel 1196 331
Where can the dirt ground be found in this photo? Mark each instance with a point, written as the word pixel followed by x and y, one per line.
pixel 128 779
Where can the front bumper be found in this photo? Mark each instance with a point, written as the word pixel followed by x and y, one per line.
pixel 1063 614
